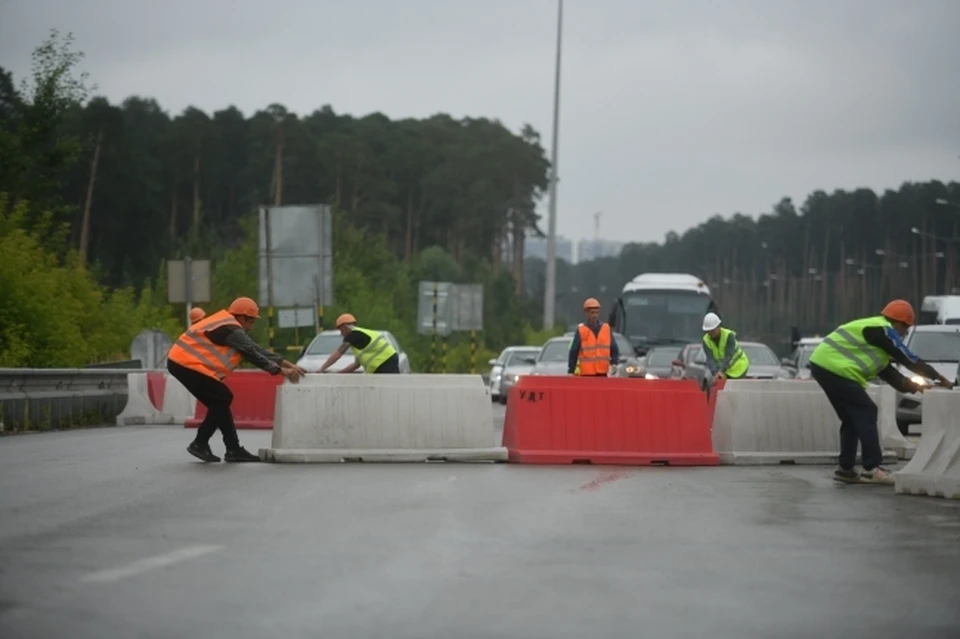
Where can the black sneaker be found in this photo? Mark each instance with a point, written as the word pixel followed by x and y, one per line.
pixel 203 453
pixel 240 455
pixel 851 476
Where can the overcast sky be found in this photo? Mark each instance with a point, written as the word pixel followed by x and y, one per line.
pixel 671 110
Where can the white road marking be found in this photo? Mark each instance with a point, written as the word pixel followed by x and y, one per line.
pixel 149 563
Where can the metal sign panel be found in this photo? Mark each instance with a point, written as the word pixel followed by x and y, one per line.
pixel 199 281
pixel 425 300
pixel 467 307
pixel 151 348
pixel 294 317
pixel 296 256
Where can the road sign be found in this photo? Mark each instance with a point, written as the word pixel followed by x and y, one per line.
pixel 427 294
pixel 296 256
pixel 467 307
pixel 182 291
pixel 294 317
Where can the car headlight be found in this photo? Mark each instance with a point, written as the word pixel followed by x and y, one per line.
pixel 650 376
pixel 918 379
pixel 630 370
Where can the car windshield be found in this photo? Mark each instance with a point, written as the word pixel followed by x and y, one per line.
pixel 555 351
pixel 665 316
pixel 935 346
pixel 661 357
pixel 517 357
pixel 324 344
pixel 760 355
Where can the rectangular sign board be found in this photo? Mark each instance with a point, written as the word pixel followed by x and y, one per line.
pixel 294 317
pixel 177 282
pixel 467 307
pixel 296 256
pixel 425 300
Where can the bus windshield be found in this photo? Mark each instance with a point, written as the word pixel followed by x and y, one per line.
pixel 664 317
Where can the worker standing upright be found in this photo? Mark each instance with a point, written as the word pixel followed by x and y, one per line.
pixel 843 365
pixel 725 358
pixel 593 351
pixel 371 349
pixel 204 355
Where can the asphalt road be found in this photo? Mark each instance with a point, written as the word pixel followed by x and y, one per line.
pixel 118 533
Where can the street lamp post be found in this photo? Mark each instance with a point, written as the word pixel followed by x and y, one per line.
pixel 551 283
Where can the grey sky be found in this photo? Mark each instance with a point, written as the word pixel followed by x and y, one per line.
pixel 671 111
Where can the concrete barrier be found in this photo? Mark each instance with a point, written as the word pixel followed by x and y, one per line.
pixel 935 468
pixel 775 422
pixel 178 403
pixel 384 418
pixel 139 409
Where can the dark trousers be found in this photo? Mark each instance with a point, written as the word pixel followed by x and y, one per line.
pixel 217 398
pixel 392 365
pixel 858 418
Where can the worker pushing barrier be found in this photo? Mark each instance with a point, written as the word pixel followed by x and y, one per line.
pixel 725 358
pixel 845 362
pixel 208 352
pixel 371 349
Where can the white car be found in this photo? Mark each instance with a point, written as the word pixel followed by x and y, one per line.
pixel 937 345
pixel 321 346
pixel 513 362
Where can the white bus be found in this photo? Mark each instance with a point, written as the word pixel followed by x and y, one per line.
pixel 658 309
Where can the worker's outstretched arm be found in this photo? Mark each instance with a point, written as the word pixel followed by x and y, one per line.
pixel 237 339
pixel 351 368
pixel 334 356
pixel 893 377
pixel 712 364
pixel 574 353
pixel 889 340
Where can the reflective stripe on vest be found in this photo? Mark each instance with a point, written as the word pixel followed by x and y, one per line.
pixel 375 353
pixel 194 350
pixel 844 352
pixel 594 356
pixel 739 364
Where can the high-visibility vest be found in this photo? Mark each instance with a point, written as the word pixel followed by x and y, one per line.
pixel 846 354
pixel 738 364
pixel 594 356
pixel 194 350
pixel 375 353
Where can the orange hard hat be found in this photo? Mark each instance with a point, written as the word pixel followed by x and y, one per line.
pixel 591 303
pixel 346 318
pixel 899 311
pixel 244 306
pixel 197 314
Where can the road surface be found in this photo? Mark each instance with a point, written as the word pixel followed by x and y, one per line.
pixel 118 533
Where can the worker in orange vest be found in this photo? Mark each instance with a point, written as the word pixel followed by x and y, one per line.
pixel 204 355
pixel 197 314
pixel 593 351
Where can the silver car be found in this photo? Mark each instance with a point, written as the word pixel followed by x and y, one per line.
pixel 763 363
pixel 937 345
pixel 513 362
pixel 320 348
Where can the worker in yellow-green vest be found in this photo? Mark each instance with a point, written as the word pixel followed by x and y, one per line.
pixel 843 365
pixel 725 358
pixel 371 349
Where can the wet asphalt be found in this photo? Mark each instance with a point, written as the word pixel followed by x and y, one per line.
pixel 119 533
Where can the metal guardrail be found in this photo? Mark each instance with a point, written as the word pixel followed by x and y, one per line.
pixel 26 380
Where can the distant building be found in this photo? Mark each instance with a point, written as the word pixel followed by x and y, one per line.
pixel 536 247
pixel 595 249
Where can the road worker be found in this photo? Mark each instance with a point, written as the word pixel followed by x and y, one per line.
pixel 593 351
pixel 196 314
pixel 371 349
pixel 843 365
pixel 725 358
pixel 204 355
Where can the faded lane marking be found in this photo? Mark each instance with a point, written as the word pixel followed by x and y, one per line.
pixel 149 563
pixel 606 477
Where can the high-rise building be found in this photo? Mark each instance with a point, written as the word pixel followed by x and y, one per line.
pixel 594 249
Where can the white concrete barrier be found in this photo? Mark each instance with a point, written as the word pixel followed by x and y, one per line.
pixel 178 404
pixel 935 468
pixel 139 409
pixel 782 421
pixel 384 418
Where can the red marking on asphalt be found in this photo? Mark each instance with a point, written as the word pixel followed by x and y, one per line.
pixel 606 477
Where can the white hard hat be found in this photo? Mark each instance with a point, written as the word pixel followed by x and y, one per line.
pixel 711 321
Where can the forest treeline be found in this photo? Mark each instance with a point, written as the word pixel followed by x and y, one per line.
pixel 96 196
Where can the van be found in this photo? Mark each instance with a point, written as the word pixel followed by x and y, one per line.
pixel 940 309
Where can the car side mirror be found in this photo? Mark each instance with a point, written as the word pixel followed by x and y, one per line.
pixel 492 362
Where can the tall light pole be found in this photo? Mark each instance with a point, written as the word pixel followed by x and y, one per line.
pixel 549 296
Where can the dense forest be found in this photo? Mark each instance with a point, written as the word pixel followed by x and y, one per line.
pixel 95 196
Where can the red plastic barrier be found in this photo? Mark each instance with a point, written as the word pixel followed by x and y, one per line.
pixel 156 387
pixel 566 420
pixel 254 400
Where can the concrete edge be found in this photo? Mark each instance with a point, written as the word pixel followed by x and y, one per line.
pixel 789 458
pixel 381 455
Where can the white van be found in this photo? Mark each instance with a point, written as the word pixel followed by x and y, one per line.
pixel 940 309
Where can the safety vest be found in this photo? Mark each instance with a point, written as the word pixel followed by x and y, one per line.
pixel 594 356
pixel 845 353
pixel 738 363
pixel 194 350
pixel 376 352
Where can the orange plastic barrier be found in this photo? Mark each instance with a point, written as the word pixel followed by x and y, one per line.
pixel 568 420
pixel 156 387
pixel 254 400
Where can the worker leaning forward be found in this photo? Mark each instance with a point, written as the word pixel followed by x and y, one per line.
pixel 371 349
pixel 725 358
pixel 843 365
pixel 593 351
pixel 204 355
